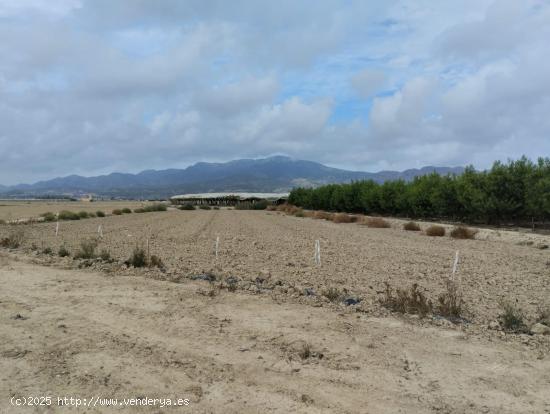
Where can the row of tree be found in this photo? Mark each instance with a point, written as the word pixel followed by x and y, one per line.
pixel 512 192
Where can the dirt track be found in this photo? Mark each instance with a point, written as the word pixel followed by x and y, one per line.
pixel 82 334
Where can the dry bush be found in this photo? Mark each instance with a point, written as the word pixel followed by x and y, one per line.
pixel 411 226
pixel 512 318
pixel 341 218
pixel 435 231
pixel 298 213
pixel 543 315
pixel 377 223
pixel 117 212
pixel 333 294
pixel 83 214
pixel 14 239
pixel 2 221
pixel 411 301
pixel 322 215
pixel 63 252
pixel 463 232
pixel 87 249
pixel 49 216
pixel 138 258
pixel 155 261
pixel 450 303
pixel 100 213
pixel 305 352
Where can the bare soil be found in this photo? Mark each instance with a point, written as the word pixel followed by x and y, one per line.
pixel 112 330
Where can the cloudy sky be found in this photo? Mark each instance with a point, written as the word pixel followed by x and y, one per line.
pixel 92 87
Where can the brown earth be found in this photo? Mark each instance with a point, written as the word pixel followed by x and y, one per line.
pixel 113 334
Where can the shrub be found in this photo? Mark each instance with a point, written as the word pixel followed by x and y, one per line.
pixel 47 250
pixel 305 351
pixel 87 249
pixel 543 315
pixel 138 258
pixel 411 226
pixel 117 212
pixel 411 301
pixel 156 207
pixel 91 214
pixel 299 213
pixel 341 218
pixel 63 252
pixel 377 223
pixel 100 213
pixel 2 221
pixel 105 255
pixel 450 303
pixel 187 206
pixel 68 215
pixel 156 261
pixel 322 215
pixel 205 207
pixel 139 210
pixel 512 318
pixel 333 294
pixel 126 210
pixel 14 239
pixel 49 216
pixel 83 214
pixel 435 231
pixel 216 208
pixel 463 232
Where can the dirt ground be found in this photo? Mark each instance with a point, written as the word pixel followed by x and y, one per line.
pixel 82 334
pixel 275 343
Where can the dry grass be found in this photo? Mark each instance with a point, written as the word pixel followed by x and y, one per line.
pixel 435 231
pixel 411 226
pixel 451 303
pixel 14 239
pixel 512 318
pixel 333 294
pixel 341 218
pixel 323 215
pixel 463 232
pixel 87 249
pixel 377 223
pixel 411 300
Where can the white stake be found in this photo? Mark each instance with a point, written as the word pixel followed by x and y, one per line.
pixel 56 229
pixel 455 265
pixel 317 256
pixel 100 231
pixel 217 245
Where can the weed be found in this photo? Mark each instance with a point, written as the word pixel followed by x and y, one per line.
pixel 333 294
pixel 87 249
pixel 512 318
pixel 14 239
pixel 63 252
pixel 411 226
pixel 155 261
pixel 305 352
pixel 138 258
pixel 463 232
pixel 100 213
pixel 435 231
pixel 543 315
pixel 105 255
pixel 411 301
pixel 450 303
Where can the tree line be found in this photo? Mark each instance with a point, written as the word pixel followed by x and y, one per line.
pixel 513 192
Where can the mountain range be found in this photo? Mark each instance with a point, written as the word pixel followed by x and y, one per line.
pixel 273 174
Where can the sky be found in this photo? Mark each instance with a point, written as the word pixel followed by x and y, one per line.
pixel 92 87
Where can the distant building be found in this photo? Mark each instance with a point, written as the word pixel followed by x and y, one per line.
pixel 229 199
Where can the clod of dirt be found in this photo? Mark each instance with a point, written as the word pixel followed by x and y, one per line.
pixel 209 277
pixel 351 301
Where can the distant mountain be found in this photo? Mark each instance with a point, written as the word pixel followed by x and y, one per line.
pixel 273 174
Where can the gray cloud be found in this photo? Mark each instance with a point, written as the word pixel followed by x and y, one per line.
pixel 95 86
